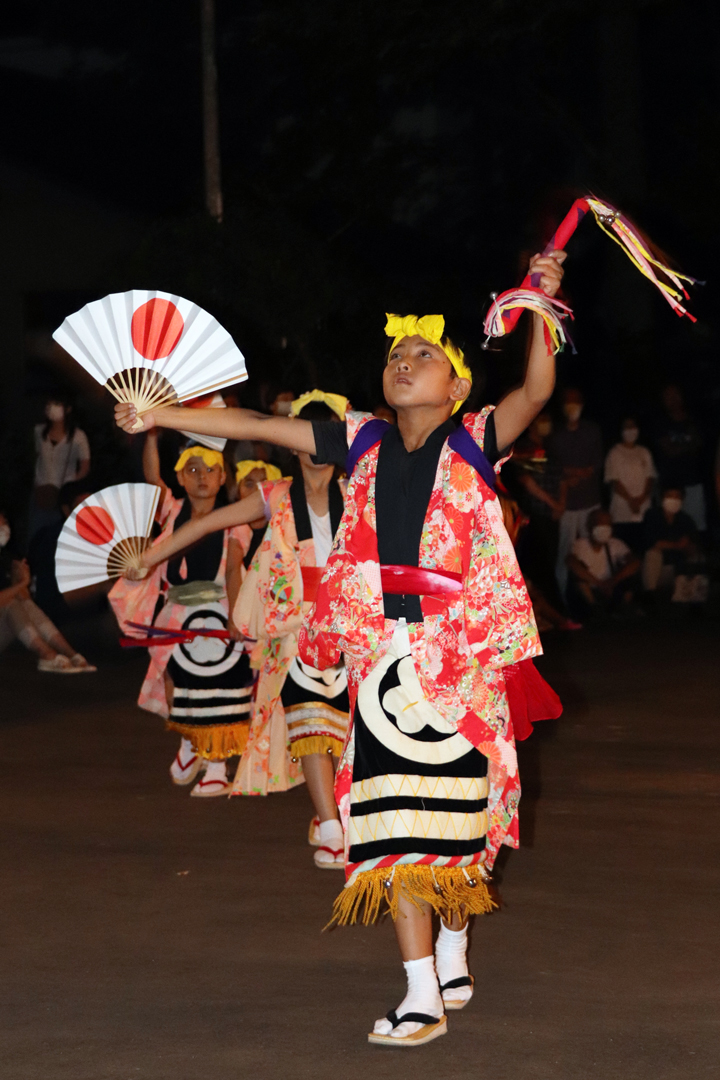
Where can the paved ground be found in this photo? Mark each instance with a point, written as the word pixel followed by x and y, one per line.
pixel 150 935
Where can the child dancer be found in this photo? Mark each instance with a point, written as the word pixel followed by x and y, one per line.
pixel 203 687
pixel 423 596
pixel 300 715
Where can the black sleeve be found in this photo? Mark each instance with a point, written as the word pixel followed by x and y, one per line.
pixel 330 442
pixel 490 446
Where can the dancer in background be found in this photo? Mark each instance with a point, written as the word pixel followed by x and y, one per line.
pixel 248 474
pixel 423 596
pixel 203 687
pixel 300 714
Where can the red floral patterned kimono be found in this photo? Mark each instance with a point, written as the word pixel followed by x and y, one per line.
pixel 445 687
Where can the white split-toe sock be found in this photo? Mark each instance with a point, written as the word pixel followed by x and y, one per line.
pixel 214 782
pixel 451 964
pixel 331 849
pixel 423 996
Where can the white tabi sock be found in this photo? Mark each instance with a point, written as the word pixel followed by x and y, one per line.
pixel 451 960
pixel 423 996
pixel 216 770
pixel 331 834
pixel 186 752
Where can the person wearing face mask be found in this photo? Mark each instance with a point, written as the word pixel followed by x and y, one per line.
pixel 602 566
pixel 62 454
pixel 630 470
pixel 22 619
pixel 673 559
pixel 577 448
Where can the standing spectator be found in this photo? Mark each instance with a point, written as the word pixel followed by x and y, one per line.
pixel 673 559
pixel 62 455
pixel 544 502
pixel 630 470
pixel 677 453
pixel 577 449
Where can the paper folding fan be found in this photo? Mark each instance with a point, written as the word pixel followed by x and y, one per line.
pixel 210 401
pixel 105 535
pixel 152 349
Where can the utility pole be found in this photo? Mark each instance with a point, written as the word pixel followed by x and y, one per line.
pixel 213 190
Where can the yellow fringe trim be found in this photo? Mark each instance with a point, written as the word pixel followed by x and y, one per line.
pixel 316 744
pixel 214 743
pixel 445 888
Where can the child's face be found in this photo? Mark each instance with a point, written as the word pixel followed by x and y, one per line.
pixel 420 374
pixel 249 483
pixel 201 481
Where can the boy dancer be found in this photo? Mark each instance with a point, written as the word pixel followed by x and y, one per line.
pixel 423 596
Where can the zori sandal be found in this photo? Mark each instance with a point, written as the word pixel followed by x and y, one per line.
pixel 432 1028
pixel 454 1002
pixel 327 858
pixel 314 832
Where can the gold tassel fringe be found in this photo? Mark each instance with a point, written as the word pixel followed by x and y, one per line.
pixel 445 888
pixel 316 744
pixel 214 743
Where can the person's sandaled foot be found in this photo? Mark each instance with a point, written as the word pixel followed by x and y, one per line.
pixel 184 771
pixel 59 665
pixel 314 833
pixel 81 665
pixel 214 782
pixel 457 992
pixel 410 1029
pixel 327 858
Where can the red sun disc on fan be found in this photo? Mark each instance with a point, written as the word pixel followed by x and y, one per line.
pixel 156 328
pixel 95 525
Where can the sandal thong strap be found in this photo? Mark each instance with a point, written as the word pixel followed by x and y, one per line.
pixel 411 1018
pixel 331 851
pixel 452 984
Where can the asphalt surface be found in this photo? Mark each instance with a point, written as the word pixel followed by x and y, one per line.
pixel 147 934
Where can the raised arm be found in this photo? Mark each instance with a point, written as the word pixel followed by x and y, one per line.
pixel 226 423
pixel 521 406
pixel 151 463
pixel 239 513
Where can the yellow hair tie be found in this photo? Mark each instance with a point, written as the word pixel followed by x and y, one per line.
pixel 244 468
pixel 336 402
pixel 210 457
pixel 432 329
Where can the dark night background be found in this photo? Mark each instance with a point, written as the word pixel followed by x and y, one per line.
pixel 375 157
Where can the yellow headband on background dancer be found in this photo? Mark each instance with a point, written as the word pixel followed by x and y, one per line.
pixel 210 457
pixel 244 468
pixel 432 328
pixel 336 402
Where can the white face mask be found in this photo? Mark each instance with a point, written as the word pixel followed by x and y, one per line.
pixel 573 411
pixel 55 413
pixel 4 535
pixel 602 534
pixel 630 435
pixel 671 505
pixel 544 428
pixel 282 408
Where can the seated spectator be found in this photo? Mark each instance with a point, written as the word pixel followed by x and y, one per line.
pixel 602 567
pixel 678 450
pixel 21 618
pixel 673 559
pixel 630 470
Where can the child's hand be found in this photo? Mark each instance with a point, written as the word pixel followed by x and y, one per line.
pixel 550 269
pixel 126 417
pixel 136 573
pixel 235 634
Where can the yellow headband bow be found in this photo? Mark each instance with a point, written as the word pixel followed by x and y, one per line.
pixel 336 402
pixel 432 328
pixel 210 457
pixel 243 468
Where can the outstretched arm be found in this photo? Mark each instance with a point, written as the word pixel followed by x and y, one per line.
pixel 239 513
pixel 226 423
pixel 151 464
pixel 521 406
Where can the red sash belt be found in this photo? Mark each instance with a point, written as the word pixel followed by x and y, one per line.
pixel 399 580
